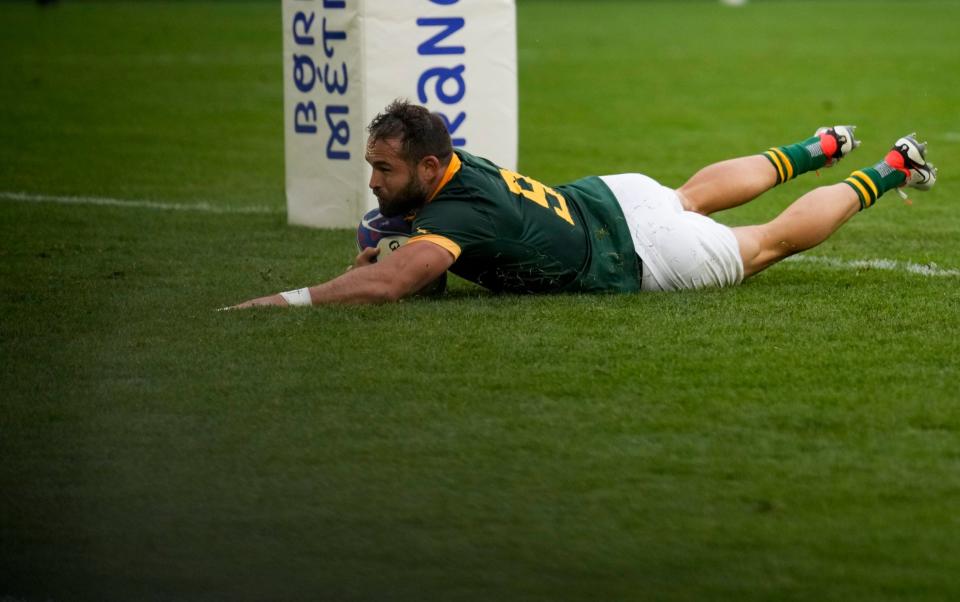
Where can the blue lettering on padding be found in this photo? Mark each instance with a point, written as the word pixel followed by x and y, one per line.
pixel 451 25
pixel 331 35
pixel 339 132
pixel 302 39
pixel 453 127
pixel 304 72
pixel 332 82
pixel 443 75
pixel 309 113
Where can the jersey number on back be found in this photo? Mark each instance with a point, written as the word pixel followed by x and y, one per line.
pixel 544 196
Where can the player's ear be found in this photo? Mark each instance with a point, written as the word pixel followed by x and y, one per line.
pixel 431 167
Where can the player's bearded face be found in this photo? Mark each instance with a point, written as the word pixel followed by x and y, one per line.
pixel 402 201
pixel 395 182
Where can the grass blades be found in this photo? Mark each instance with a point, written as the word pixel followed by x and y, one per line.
pixel 794 438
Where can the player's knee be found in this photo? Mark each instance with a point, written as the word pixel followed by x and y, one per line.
pixel 748 243
pixel 757 249
pixel 688 199
pixel 684 196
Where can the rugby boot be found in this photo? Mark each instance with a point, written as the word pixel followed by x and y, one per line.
pixel 910 157
pixel 837 142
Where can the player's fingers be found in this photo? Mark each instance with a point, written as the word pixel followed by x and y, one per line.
pixel 366 257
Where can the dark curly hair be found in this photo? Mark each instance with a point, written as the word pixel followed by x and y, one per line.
pixel 421 132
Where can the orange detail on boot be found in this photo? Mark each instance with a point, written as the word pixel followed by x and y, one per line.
pixel 895 160
pixel 829 145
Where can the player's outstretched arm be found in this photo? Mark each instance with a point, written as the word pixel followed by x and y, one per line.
pixel 399 275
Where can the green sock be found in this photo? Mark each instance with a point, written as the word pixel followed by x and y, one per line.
pixel 795 159
pixel 871 182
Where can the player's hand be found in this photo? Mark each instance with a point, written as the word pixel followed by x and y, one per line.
pixel 276 300
pixel 366 257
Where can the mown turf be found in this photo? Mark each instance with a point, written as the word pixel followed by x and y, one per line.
pixel 795 438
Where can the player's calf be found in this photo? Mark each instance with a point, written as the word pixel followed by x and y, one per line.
pixel 827 146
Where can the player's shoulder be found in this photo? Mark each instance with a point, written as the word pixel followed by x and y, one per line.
pixel 474 190
pixel 476 178
pixel 474 165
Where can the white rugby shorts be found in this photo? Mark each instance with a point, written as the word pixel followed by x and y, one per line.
pixel 679 249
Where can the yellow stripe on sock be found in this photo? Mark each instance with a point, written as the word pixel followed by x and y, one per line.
pixel 786 161
pixel 864 195
pixel 776 163
pixel 866 179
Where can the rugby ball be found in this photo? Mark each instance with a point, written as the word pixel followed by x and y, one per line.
pixel 389 234
pixel 375 228
pixel 389 244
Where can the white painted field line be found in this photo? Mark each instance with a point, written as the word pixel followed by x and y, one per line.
pixel 889 265
pixel 25 197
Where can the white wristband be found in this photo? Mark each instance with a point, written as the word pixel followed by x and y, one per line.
pixel 298 298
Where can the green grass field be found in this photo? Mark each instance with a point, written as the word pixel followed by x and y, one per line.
pixel 796 438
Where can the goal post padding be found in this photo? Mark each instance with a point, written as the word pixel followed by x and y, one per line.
pixel 345 60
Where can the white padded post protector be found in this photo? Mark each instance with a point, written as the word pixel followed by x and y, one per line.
pixel 345 60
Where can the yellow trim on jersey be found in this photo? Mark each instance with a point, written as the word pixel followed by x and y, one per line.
pixel 786 162
pixel 440 241
pixel 866 179
pixel 452 170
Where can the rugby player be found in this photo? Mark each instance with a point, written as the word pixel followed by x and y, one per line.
pixel 617 233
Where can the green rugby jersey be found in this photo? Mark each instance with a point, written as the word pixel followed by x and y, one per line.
pixel 511 233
